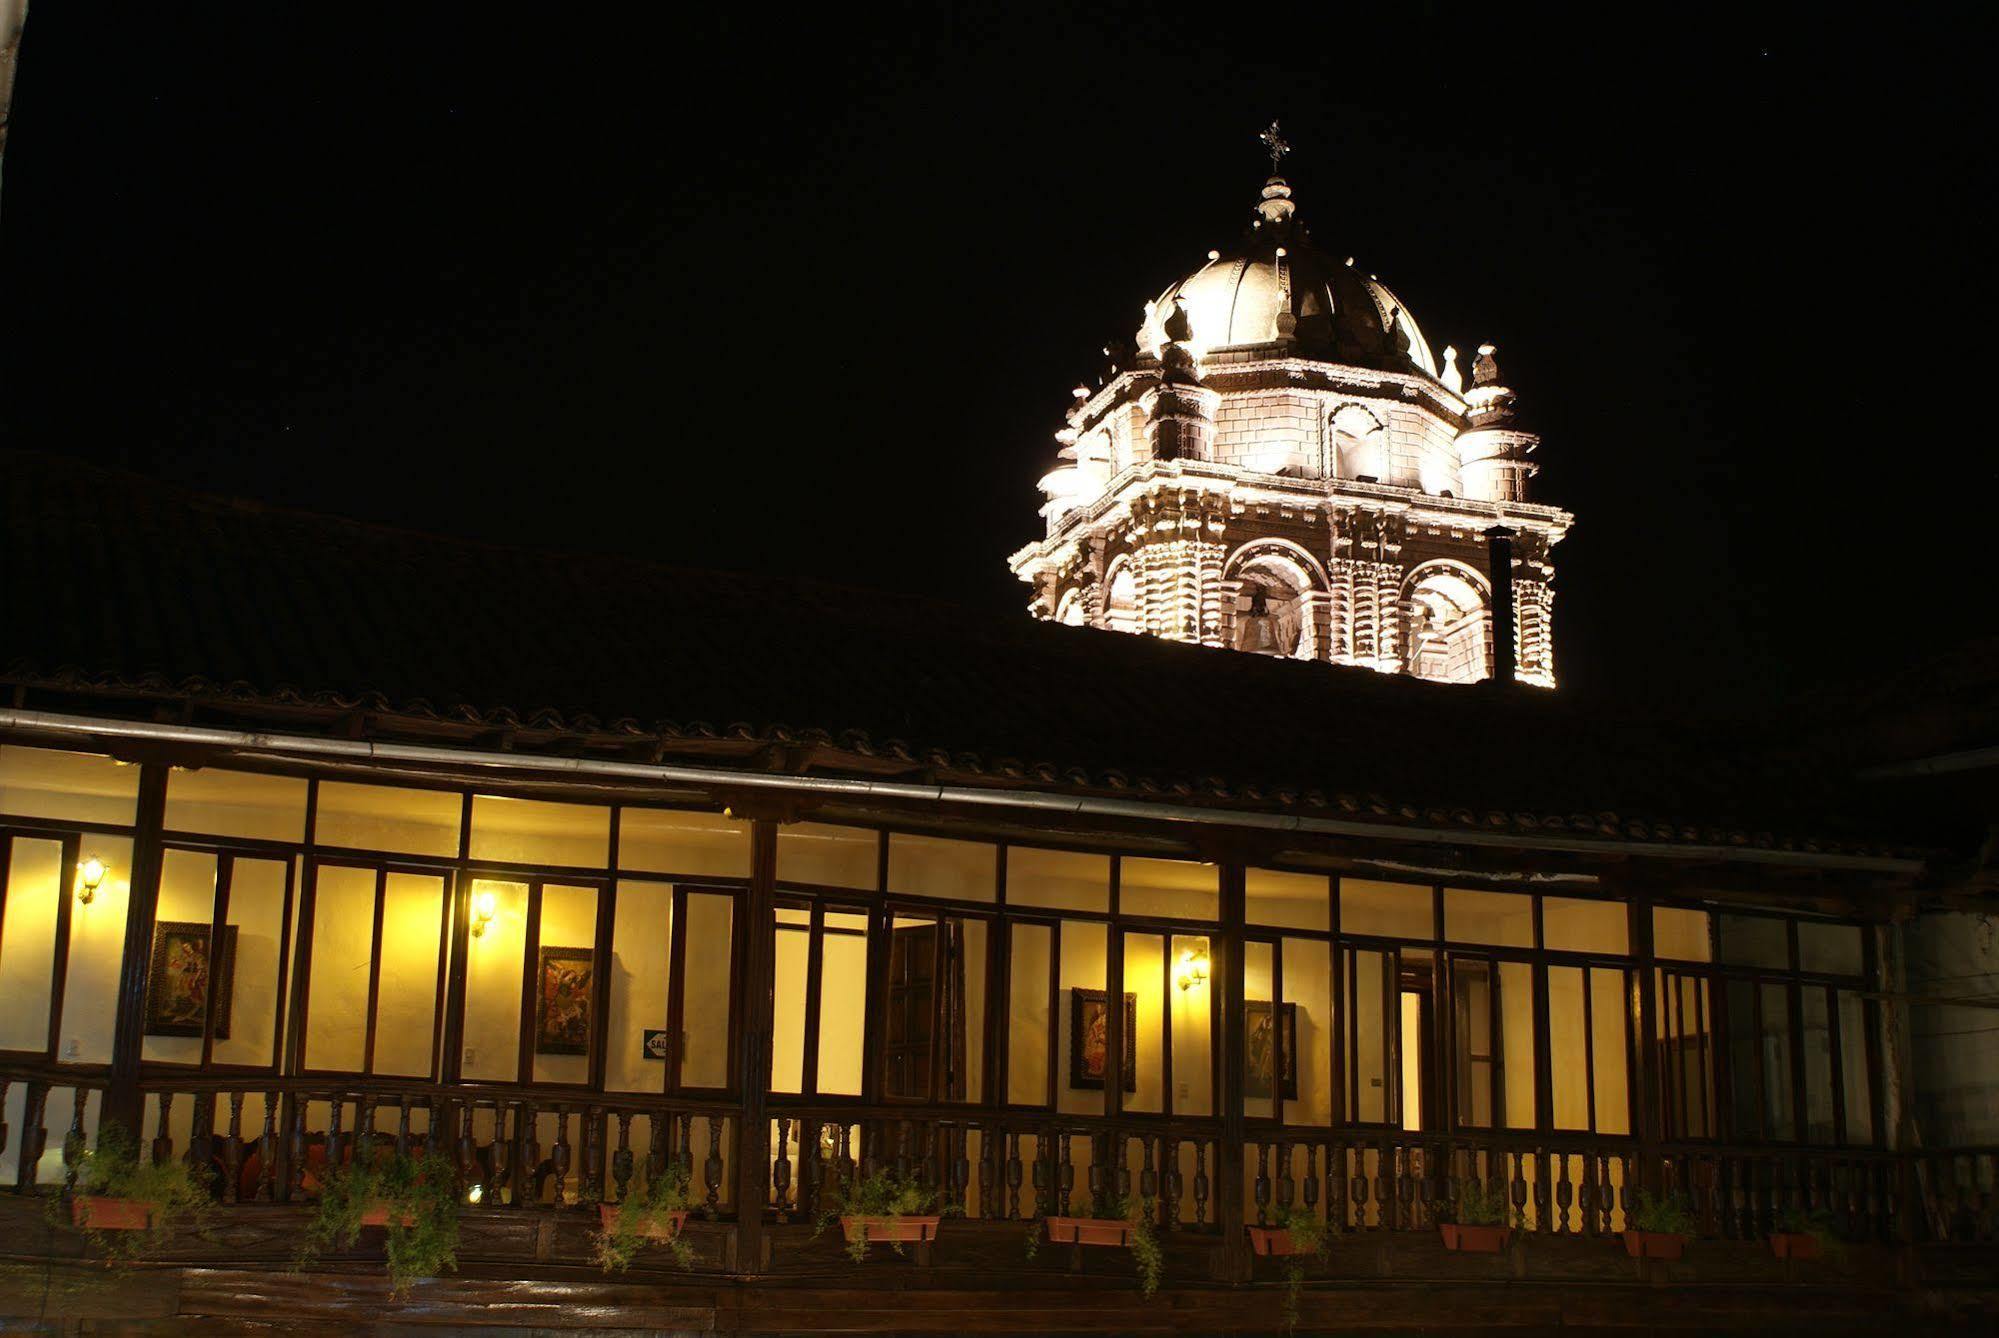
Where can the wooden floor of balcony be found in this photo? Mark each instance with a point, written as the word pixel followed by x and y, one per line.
pixel 529 1272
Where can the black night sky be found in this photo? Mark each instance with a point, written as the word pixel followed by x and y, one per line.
pixel 806 295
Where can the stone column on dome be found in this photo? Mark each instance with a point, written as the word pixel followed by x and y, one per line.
pixel 1493 448
pixel 1340 611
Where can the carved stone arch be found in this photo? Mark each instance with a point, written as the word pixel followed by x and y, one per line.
pixel 1354 454
pixel 1276 600
pixel 1071 609
pixel 1122 610
pixel 1447 608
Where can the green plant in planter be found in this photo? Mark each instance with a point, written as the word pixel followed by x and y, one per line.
pixel 1662 1215
pixel 1312 1237
pixel 175 1195
pixel 1146 1250
pixel 883 1194
pixel 1820 1227
pixel 1482 1204
pixel 629 1230
pixel 421 1198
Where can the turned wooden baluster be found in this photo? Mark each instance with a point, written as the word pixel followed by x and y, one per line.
pixel 1516 1187
pixel 780 1170
pixel 659 1144
pixel 73 1144
pixel 1262 1189
pixel 844 1165
pixel 1065 1179
pixel 1013 1177
pixel 296 1143
pixel 1200 1182
pixel 711 1169
pixel 466 1153
pixel 34 1137
pixel 1311 1186
pixel 1565 1196
pixel 267 1151
pixel 232 1152
pixel 1148 1173
pixel 622 1161
pixel 962 1170
pixel 364 1130
pixel 685 1153
pixel 336 1141
pixel 1170 1182
pixel 1405 1186
pixel 1098 1179
pixel 163 1143
pixel 526 1156
pixel 201 1138
pixel 558 1157
pixel 992 1173
pixel 593 1154
pixel 403 1130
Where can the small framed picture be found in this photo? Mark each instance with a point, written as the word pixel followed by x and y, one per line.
pixel 565 998
pixel 1089 1035
pixel 177 985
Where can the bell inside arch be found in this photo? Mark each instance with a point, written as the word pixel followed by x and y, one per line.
pixel 1259 629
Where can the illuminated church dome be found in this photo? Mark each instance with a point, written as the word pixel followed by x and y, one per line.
pixel 1277 284
pixel 1283 466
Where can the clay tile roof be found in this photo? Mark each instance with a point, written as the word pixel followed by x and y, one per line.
pixel 113 582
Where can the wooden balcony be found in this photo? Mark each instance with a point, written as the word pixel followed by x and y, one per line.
pixel 1922 1231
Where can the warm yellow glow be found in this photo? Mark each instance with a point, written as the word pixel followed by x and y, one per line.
pixel 476 1193
pixel 1192 969
pixel 482 913
pixel 89 876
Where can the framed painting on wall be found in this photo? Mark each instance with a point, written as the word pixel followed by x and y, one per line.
pixel 565 998
pixel 177 984
pixel 1258 1049
pixel 1089 1023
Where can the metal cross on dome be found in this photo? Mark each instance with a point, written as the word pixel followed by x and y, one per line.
pixel 1274 144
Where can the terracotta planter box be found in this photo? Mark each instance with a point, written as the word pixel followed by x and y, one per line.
pixel 1654 1245
pixel 102 1214
pixel 1468 1239
pixel 890 1230
pixel 1272 1241
pixel 1089 1231
pixel 377 1214
pixel 1794 1245
pixel 653 1226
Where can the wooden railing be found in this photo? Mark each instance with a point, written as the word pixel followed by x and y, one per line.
pixel 271 1141
pixel 999 1167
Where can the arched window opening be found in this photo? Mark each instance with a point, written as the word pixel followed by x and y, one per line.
pixel 1358 445
pixel 1121 603
pixel 1447 628
pixel 1270 611
pixel 1069 612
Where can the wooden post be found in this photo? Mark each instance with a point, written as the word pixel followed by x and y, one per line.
pixel 752 1042
pixel 1235 1258
pixel 123 1101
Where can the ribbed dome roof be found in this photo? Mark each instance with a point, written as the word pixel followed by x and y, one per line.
pixel 1276 270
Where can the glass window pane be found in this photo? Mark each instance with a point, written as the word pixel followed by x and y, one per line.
pixel 1833 949
pixel 1308 999
pixel 28 940
pixel 1084 1031
pixel 1516 1038
pixel 1391 910
pixel 1755 940
pixel 1062 879
pixel 1505 919
pixel 1366 1047
pixel 705 998
pixel 565 985
pixel 382 817
pixel 1027 1016
pixel 1687 1080
pixel 1817 1036
pixel 413 908
pixel 669 840
pixel 1290 900
pixel 177 988
pixel 1609 1022
pixel 1192 1092
pixel 533 831
pixel 1566 1041
pixel 246 1029
pixel 1776 1046
pixel 494 959
pixel 910 1014
pixel 843 992
pixel 236 803
pixel 1572 925
pixel 1145 967
pixel 1680 935
pixel 814 853
pixel 1854 1088
pixel 641 935
pixel 965 1011
pixel 1474 1044
pixel 68 787
pixel 96 956
pixel 1177 888
pixel 923 866
pixel 343 946
pixel 1258 1045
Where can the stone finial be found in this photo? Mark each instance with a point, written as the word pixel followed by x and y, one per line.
pixel 1453 379
pixel 1485 371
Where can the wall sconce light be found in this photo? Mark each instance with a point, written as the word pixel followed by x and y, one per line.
pixel 482 913
pixel 1193 968
pixel 89 877
pixel 475 1193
